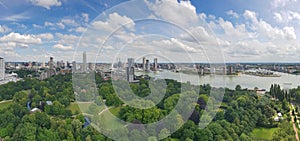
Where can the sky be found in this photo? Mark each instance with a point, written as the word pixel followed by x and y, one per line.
pixel 174 30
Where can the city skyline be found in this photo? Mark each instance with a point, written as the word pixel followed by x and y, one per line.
pixel 33 30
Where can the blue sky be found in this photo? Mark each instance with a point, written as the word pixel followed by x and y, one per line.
pixel 246 31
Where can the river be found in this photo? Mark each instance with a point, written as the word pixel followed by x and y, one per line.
pixel 230 81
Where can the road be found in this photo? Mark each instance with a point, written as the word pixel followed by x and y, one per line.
pixel 294 126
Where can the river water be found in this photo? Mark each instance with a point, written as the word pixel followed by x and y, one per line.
pixel 230 81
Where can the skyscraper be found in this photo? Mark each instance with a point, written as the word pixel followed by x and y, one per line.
pixel 155 64
pixel 74 67
pixel 147 65
pixel 2 68
pixel 84 66
pixel 130 74
pixel 144 63
pixel 130 62
pixel 51 63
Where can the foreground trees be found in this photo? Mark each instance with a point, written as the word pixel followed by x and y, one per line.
pixel 240 113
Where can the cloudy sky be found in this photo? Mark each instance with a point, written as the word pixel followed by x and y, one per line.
pixel 197 30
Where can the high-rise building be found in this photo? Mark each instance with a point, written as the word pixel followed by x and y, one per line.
pixel 147 65
pixel 2 68
pixel 155 64
pixel 144 63
pixel 130 62
pixel 119 65
pixel 74 66
pixel 84 66
pixel 51 63
pixel 130 74
pixel 51 71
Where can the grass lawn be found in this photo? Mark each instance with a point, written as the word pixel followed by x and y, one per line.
pixel 74 106
pixel 264 133
pixel 115 111
pixel 5 104
pixel 109 121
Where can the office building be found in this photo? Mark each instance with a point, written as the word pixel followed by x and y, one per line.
pixel 130 62
pixel 51 63
pixel 74 66
pixel 130 74
pixel 155 65
pixel 147 65
pixel 2 69
pixel 144 63
pixel 51 71
pixel 119 65
pixel 84 66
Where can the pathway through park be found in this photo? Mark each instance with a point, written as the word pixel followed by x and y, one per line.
pixel 294 126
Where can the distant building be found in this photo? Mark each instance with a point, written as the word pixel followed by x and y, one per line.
pixel 84 66
pixel 51 63
pixel 50 71
pixel 119 65
pixel 2 69
pixel 147 65
pixel 130 74
pixel 74 66
pixel 144 63
pixel 130 62
pixel 155 64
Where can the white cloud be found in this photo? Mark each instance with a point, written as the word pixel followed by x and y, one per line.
pixel 62 47
pixel 60 25
pixel 182 13
pixel 251 15
pixel 67 39
pixel 280 3
pixel 237 32
pixel 278 17
pixel 266 30
pixel 232 13
pixel 23 40
pixel 36 26
pixel 54 25
pixel 80 29
pixel 48 23
pixel 113 22
pixel 46 3
pixel 16 17
pixel 85 17
pixel 4 29
pixel 289 33
pixel 293 16
pixel 46 36
pixel 69 22
pixel 202 16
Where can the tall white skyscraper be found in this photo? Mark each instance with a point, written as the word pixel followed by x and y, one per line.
pixel 84 66
pixel 2 68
